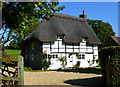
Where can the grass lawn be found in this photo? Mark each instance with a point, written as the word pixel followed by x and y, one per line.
pixel 13 52
pixel 30 70
pixel 81 70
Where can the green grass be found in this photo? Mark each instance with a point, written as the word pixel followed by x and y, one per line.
pixel 98 67
pixel 30 70
pixel 13 52
pixel 92 70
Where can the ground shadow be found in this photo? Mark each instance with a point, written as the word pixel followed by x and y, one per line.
pixel 87 82
pixel 92 71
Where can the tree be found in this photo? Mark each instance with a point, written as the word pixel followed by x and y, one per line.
pixel 16 15
pixel 103 30
pixel 13 45
pixel 29 28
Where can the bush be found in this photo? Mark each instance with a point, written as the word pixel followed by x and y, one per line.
pixel 46 61
pixel 77 65
pixel 112 52
pixel 63 59
pixel 115 70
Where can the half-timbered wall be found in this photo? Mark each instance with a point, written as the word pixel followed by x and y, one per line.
pixel 80 52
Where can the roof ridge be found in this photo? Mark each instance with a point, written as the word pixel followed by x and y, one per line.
pixel 68 17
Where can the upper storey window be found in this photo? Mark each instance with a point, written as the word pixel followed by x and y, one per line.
pixel 59 37
pixel 84 39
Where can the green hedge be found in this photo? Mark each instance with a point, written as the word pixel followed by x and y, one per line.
pixel 115 70
pixel 114 53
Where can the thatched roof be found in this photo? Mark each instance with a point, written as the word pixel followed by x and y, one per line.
pixel 73 29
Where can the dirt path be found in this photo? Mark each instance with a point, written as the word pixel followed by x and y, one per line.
pixel 61 78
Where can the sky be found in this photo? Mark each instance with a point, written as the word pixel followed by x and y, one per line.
pixel 105 11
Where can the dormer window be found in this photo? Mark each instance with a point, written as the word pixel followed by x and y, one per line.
pixel 84 39
pixel 59 37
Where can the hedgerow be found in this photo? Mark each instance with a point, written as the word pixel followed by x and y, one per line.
pixel 112 52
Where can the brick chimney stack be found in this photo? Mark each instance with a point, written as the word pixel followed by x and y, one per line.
pixel 83 16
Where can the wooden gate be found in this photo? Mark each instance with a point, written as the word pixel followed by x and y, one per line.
pixel 13 71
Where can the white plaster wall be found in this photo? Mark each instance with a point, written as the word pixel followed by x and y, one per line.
pixel 82 49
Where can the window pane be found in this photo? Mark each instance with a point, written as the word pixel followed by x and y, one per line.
pixel 26 56
pixel 79 57
pixel 33 46
pixel 32 57
pixel 56 56
pixel 83 56
pixel 53 56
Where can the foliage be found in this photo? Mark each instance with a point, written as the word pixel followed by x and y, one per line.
pixel 115 70
pixel 28 69
pixel 98 67
pixel 108 51
pixel 16 15
pixel 114 53
pixel 77 65
pixel 103 30
pixel 63 59
pixel 20 37
pixel 13 45
pixel 91 62
pixel 98 61
pixel 46 61
pixel 5 55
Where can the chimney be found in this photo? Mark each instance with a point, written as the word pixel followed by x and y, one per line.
pixel 83 16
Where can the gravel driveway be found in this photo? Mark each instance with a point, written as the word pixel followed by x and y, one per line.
pixel 62 78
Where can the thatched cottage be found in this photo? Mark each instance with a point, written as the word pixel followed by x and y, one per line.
pixel 62 35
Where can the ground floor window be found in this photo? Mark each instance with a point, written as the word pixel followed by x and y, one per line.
pixel 32 57
pixel 26 56
pixel 81 56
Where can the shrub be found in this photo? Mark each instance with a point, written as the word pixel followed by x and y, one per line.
pixel 46 61
pixel 63 59
pixel 112 52
pixel 77 65
pixel 115 70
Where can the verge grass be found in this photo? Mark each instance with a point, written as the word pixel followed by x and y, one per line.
pixel 13 52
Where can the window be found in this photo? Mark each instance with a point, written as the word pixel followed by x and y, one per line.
pixel 33 47
pixel 84 39
pixel 26 56
pixel 83 56
pixel 53 56
pixel 32 57
pixel 59 37
pixel 79 57
pixel 56 56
